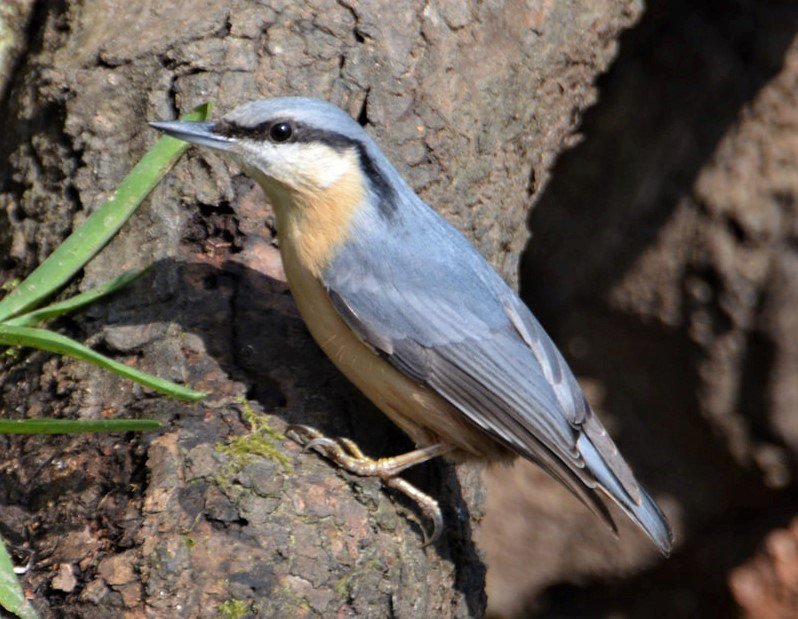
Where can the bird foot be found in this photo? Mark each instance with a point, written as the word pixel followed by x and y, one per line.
pixel 348 456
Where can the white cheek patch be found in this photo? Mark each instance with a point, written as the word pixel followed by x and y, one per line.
pixel 317 163
pixel 305 165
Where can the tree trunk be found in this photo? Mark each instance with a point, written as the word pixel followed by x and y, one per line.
pixel 216 514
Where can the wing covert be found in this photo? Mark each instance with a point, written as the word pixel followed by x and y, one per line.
pixel 462 344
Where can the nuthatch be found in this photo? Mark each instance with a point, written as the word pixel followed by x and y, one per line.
pixel 413 315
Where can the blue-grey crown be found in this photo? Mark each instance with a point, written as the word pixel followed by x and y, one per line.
pixel 314 113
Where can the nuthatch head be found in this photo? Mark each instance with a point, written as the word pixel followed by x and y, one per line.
pixel 411 313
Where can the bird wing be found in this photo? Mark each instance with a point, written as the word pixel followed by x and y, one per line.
pixel 484 369
pixel 444 318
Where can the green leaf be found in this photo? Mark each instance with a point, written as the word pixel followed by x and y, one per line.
pixel 81 246
pixel 51 341
pixel 74 426
pixel 12 597
pixel 78 301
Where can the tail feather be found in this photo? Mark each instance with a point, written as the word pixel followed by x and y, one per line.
pixel 644 512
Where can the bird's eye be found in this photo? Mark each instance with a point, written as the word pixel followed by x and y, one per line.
pixel 280 132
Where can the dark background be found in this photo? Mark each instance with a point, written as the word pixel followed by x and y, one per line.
pixel 663 262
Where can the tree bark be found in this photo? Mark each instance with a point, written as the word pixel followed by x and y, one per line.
pixel 216 513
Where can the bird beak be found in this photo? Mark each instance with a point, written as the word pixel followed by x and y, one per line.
pixel 195 132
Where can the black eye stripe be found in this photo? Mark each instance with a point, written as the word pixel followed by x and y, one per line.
pixel 302 133
pixel 256 132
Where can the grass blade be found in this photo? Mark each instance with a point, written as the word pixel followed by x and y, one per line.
pixel 74 303
pixel 74 426
pixel 12 597
pixel 51 341
pixel 81 246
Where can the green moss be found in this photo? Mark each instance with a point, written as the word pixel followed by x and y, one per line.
pixel 286 602
pixel 9 285
pixel 233 609
pixel 344 585
pixel 261 441
pixel 190 542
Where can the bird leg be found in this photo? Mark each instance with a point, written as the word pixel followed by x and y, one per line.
pixel 347 455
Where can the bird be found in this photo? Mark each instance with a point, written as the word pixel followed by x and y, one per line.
pixel 413 315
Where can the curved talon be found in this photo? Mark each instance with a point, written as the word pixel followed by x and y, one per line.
pixel 347 455
pixel 296 432
pixel 437 529
pixel 428 506
pixel 321 441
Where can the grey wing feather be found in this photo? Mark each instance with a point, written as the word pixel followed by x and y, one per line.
pixel 487 372
pixel 569 395
pixel 444 318
pixel 472 381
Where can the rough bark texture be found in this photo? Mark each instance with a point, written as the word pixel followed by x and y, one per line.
pixel 472 101
pixel 664 263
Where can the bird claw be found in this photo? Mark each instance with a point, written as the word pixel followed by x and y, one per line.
pixel 302 434
pixel 334 449
pixel 319 442
pixel 348 456
pixel 428 506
